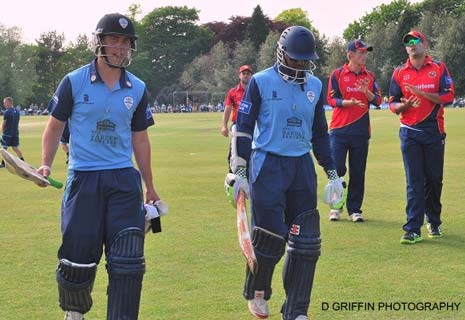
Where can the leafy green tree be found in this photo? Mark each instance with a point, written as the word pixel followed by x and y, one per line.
pixel 9 41
pixel 295 17
pixel 299 17
pixel 170 39
pixel 399 13
pixel 258 27
pixel 24 74
pixel 267 54
pixel 452 8
pixel 244 53
pixel 49 51
pixel 76 55
pixel 210 72
pixel 337 55
pixel 450 48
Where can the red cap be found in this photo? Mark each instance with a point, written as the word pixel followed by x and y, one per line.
pixel 245 67
pixel 414 34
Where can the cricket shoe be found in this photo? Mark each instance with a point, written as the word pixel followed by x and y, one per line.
pixel 410 237
pixel 73 315
pixel 334 214
pixel 434 231
pixel 356 217
pixel 301 317
pixel 258 306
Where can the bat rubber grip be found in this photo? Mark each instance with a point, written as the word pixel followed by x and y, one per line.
pixel 55 183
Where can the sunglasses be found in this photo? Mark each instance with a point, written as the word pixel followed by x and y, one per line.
pixel 412 41
pixel 246 73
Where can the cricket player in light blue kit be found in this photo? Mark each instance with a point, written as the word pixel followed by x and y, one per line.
pixel 281 118
pixel 106 109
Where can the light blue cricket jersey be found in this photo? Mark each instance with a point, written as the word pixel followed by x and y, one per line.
pixel 101 120
pixel 285 117
pixel 281 116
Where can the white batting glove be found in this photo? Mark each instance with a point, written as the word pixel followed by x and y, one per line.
pixel 152 211
pixel 334 190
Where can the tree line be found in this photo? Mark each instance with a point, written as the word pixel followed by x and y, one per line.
pixel 176 53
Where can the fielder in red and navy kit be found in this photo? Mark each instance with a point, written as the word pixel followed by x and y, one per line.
pixel 233 100
pixel 418 91
pixel 351 90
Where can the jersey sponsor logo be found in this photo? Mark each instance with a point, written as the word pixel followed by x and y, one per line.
pixel 310 96
pixel 423 86
pixel 98 135
pixel 346 78
pixel 86 98
pixel 352 89
pixel 128 102
pixel 449 80
pixel 106 125
pixel 295 229
pixel 245 107
pixel 294 122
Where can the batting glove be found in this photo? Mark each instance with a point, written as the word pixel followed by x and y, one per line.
pixel 334 190
pixel 235 182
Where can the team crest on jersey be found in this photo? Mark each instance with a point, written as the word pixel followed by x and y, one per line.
pixel 432 74
pixel 128 102
pixel 295 229
pixel 123 23
pixel 406 77
pixel 310 96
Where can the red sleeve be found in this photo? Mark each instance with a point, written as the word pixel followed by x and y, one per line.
pixel 229 99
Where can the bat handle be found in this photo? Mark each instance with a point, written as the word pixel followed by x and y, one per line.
pixel 55 183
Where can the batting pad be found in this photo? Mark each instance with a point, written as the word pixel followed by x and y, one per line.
pixel 126 268
pixel 268 248
pixel 304 246
pixel 75 283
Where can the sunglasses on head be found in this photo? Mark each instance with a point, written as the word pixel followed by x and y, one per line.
pixel 412 41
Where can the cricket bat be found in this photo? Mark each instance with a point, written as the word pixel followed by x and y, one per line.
pixel 24 170
pixel 243 233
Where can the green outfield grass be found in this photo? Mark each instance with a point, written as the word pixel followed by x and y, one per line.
pixel 195 269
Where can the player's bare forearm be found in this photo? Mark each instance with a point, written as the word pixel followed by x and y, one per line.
pixel 51 139
pixel 142 154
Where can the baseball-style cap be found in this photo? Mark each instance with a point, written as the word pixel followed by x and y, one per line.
pixel 358 44
pixel 414 34
pixel 245 67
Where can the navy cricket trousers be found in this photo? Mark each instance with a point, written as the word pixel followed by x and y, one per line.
pixel 96 206
pixel 423 155
pixel 356 147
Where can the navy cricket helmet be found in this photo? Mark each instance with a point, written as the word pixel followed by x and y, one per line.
pixel 297 43
pixel 115 24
